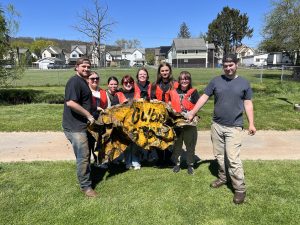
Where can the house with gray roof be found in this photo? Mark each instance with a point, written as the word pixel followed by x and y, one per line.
pixel 192 52
pixel 79 51
pixel 54 52
pixel 134 55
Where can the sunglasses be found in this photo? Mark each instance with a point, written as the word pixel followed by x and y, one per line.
pixel 128 82
pixel 94 78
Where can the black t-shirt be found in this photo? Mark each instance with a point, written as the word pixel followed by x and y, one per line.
pixel 76 90
pixel 114 100
pixel 128 94
pixel 144 89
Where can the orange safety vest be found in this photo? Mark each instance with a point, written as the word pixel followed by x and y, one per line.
pixel 102 102
pixel 137 91
pixel 159 92
pixel 121 97
pixel 185 103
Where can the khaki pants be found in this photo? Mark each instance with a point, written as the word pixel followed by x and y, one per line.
pixel 226 147
pixel 188 135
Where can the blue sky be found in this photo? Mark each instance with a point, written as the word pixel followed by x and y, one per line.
pixel 153 22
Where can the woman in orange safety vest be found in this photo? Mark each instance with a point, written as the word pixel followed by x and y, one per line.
pixel 182 100
pixel 142 87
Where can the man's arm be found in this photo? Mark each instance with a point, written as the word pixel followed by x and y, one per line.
pixel 80 110
pixel 250 115
pixel 201 101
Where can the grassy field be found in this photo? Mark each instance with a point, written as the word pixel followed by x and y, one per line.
pixel 273 99
pixel 48 193
pixel 200 75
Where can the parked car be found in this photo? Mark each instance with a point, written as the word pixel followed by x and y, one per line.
pixel 138 65
pixel 56 66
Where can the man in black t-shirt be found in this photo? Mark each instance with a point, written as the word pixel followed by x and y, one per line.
pixel 232 95
pixel 76 115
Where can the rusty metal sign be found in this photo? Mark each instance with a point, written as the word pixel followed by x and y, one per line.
pixel 147 123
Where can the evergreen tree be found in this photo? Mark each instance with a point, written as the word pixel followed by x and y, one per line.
pixel 184 31
pixel 229 29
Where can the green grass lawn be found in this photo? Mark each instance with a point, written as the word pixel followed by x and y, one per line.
pixel 48 193
pixel 273 99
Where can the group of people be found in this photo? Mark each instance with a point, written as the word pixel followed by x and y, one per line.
pixel 232 96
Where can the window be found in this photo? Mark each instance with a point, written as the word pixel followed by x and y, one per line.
pixel 186 60
pixel 184 51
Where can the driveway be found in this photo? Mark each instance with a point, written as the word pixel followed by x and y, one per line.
pixel 32 146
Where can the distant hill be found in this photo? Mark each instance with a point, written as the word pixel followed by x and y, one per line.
pixel 64 44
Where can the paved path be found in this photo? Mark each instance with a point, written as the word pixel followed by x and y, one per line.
pixel 265 145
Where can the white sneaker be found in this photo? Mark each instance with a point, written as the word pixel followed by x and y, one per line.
pixel 137 167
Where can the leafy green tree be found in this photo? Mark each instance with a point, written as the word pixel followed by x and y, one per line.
pixel 184 31
pixel 9 69
pixel 4 40
pixel 150 58
pixel 19 44
pixel 38 45
pixel 281 30
pixel 229 29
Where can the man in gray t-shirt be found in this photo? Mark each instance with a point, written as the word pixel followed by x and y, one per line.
pixel 232 95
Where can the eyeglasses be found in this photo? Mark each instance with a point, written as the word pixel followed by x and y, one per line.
pixel 94 78
pixel 128 82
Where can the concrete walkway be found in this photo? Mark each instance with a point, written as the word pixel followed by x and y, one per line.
pixel 265 145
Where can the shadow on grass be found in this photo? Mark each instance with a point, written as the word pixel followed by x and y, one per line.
pixel 286 100
pixel 213 168
pixel 98 174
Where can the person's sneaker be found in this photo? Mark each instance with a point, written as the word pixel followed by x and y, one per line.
pixel 137 167
pixel 89 192
pixel 103 166
pixel 129 166
pixel 176 169
pixel 217 183
pixel 239 197
pixel 190 170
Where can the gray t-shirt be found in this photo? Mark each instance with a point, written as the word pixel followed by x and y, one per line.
pixel 229 97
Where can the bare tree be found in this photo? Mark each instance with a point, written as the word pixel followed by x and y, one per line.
pixel 96 25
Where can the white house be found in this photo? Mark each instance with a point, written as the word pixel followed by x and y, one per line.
pixel 54 52
pixel 78 51
pixel 192 52
pixel 244 51
pixel 113 57
pixel 135 56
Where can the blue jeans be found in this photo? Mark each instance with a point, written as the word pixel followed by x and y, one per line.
pixel 131 155
pixel 79 141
